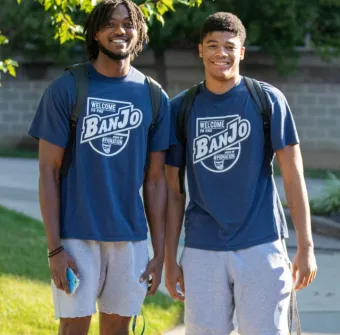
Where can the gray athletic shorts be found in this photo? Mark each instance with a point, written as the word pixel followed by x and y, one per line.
pixel 256 283
pixel 109 275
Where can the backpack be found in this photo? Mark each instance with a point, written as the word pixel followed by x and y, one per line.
pixel 257 94
pixel 80 74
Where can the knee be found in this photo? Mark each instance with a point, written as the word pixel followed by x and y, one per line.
pixel 122 326
pixel 114 325
pixel 74 326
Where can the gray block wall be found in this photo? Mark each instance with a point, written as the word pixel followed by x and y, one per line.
pixel 313 94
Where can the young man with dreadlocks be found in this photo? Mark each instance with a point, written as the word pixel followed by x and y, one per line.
pixel 94 216
pixel 234 255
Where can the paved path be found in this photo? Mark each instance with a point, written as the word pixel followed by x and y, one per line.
pixel 319 304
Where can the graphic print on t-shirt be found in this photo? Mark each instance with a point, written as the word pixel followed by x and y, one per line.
pixel 107 125
pixel 218 141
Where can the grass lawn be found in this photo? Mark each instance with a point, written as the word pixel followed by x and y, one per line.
pixel 25 295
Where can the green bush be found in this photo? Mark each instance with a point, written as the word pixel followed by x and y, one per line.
pixel 329 203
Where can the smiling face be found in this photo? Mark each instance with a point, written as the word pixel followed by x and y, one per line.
pixel 118 37
pixel 221 52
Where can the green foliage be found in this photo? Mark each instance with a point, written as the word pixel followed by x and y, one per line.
pixel 8 65
pixel 329 203
pixel 277 27
pixel 39 27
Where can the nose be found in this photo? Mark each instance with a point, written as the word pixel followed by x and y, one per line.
pixel 221 52
pixel 119 30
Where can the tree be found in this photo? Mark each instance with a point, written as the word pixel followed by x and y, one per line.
pixel 65 15
pixel 281 28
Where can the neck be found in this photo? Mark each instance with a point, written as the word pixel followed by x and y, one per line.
pixel 221 86
pixel 112 68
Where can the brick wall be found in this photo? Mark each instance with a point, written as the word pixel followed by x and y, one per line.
pixel 313 94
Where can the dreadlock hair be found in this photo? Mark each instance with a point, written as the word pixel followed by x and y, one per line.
pixel 223 21
pixel 100 16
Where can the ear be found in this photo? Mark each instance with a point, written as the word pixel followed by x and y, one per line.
pixel 243 51
pixel 200 50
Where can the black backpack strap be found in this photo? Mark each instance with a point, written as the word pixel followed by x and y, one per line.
pixel 156 99
pixel 181 129
pixel 261 101
pixel 80 74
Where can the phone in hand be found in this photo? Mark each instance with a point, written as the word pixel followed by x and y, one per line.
pixel 73 280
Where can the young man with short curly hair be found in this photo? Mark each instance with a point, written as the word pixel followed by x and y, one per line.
pixel 234 255
pixel 94 216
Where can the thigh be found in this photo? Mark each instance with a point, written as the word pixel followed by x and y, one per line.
pixel 122 292
pixel 263 284
pixel 74 326
pixel 113 324
pixel 83 303
pixel 208 292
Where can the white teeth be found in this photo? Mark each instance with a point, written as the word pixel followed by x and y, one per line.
pixel 221 63
pixel 118 41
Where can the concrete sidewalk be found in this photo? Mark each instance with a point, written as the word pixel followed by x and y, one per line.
pixel 19 185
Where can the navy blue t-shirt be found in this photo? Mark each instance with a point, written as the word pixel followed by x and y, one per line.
pixel 100 197
pixel 234 203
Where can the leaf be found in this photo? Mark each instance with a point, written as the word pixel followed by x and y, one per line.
pixel 161 8
pixel 3 39
pixel 169 4
pixel 160 19
pixel 11 70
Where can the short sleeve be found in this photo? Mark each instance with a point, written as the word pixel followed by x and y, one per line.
pixel 283 129
pixel 174 155
pixel 51 121
pixel 161 136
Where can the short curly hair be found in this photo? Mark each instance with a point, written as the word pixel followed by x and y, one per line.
pixel 223 21
pixel 100 16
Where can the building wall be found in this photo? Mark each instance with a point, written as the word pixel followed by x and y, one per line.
pixel 313 93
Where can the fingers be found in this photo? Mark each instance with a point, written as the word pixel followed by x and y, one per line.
pixel 155 281
pixel 73 266
pixel 181 284
pixel 57 283
pixel 64 282
pixel 304 280
pixel 146 274
pixel 294 271
pixel 172 288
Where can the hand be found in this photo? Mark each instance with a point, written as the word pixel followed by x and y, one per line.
pixel 174 275
pixel 153 269
pixel 58 266
pixel 305 264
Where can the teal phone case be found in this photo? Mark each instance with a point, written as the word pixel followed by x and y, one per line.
pixel 73 280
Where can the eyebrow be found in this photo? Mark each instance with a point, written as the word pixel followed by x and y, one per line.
pixel 124 19
pixel 226 42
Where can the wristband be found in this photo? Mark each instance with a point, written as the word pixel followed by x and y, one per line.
pixel 55 251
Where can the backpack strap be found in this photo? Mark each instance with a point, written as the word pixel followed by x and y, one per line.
pixel 156 99
pixel 80 74
pixel 181 129
pixel 256 92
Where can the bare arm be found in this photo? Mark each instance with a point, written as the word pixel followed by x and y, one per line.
pixel 291 166
pixel 50 159
pixel 155 195
pixel 175 214
pixel 174 221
